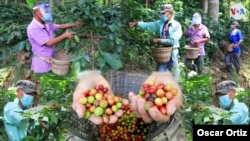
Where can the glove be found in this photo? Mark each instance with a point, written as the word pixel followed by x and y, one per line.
pixel 153 114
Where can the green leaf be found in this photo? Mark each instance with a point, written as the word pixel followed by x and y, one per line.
pixel 77 39
pixel 118 41
pixel 27 46
pixel 45 118
pixel 67 44
pixel 87 58
pixel 77 67
pixel 31 3
pixel 206 119
pixel 113 28
pixel 9 38
pixel 54 119
pixel 21 45
pixel 112 60
pixel 36 116
pixel 2 54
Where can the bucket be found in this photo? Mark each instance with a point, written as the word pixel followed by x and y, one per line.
pixel 122 83
pixel 60 63
pixel 161 54
pixel 192 52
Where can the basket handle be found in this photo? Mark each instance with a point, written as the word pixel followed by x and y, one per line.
pixel 46 60
pixel 51 61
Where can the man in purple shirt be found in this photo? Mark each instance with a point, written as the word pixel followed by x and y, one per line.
pixel 198 35
pixel 41 36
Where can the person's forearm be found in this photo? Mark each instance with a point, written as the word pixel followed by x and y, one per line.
pixel 54 41
pixel 204 40
pixel 167 41
pixel 65 26
pixel 239 42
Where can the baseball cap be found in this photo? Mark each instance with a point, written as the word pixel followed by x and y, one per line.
pixel 27 86
pixel 236 23
pixel 196 15
pixel 166 8
pixel 224 87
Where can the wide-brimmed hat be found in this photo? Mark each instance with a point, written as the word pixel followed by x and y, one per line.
pixel 166 8
pixel 224 87
pixel 27 86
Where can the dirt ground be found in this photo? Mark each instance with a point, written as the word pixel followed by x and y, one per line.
pixel 219 72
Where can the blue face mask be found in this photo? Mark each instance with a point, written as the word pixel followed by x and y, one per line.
pixel 26 100
pixel 47 17
pixel 232 26
pixel 225 101
pixel 163 18
pixel 46 12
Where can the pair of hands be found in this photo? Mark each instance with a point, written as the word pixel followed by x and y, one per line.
pixel 70 35
pixel 235 45
pixel 196 42
pixel 88 81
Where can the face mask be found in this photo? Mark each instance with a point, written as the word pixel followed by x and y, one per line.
pixel 26 100
pixel 47 17
pixel 163 18
pixel 196 21
pixel 46 12
pixel 232 26
pixel 225 101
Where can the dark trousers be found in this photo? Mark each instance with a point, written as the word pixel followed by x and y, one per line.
pixel 233 58
pixel 162 67
pixel 199 62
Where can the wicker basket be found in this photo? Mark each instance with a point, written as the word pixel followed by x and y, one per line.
pixel 121 83
pixel 229 47
pixel 161 54
pixel 192 52
pixel 83 128
pixel 60 63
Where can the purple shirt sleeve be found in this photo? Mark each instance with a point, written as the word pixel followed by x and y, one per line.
pixel 206 33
